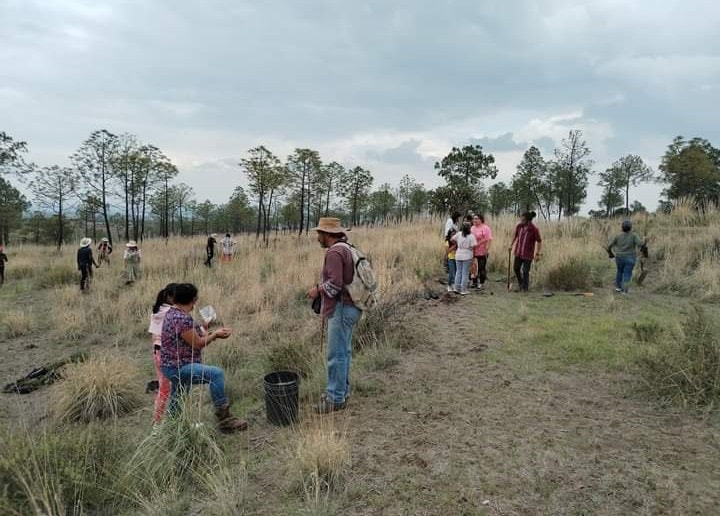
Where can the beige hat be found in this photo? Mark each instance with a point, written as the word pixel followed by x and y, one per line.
pixel 85 242
pixel 131 243
pixel 104 240
pixel 330 225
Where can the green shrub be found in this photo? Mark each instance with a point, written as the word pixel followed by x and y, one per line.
pixel 296 356
pixel 684 369
pixel 647 331
pixel 573 274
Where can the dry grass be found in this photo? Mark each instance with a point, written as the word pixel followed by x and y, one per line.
pixel 99 388
pixel 17 323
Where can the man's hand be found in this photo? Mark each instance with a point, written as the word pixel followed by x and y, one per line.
pixel 313 292
pixel 538 256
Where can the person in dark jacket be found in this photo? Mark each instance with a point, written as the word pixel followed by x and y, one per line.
pixel 85 263
pixel 3 259
pixel 210 249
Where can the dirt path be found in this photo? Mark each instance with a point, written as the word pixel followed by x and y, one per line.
pixel 456 433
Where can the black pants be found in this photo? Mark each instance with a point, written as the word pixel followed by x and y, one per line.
pixel 2 274
pixel 481 270
pixel 522 272
pixel 210 256
pixel 85 275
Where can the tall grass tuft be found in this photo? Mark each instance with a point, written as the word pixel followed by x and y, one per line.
pixel 572 274
pixel 99 388
pixel 684 369
pixel 17 323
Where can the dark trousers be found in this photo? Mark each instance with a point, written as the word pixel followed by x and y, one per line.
pixel 210 256
pixel 481 270
pixel 85 275
pixel 522 272
pixel 2 274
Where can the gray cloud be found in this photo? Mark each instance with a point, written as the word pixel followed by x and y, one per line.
pixel 387 84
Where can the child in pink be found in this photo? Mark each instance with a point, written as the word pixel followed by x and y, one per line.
pixel 162 304
pixel 483 235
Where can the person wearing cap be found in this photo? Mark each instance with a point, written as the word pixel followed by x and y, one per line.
pixel 104 251
pixel 210 249
pixel 131 259
pixel 85 262
pixel 338 310
pixel 624 246
pixel 3 259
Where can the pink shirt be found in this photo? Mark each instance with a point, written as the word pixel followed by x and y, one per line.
pixel 483 235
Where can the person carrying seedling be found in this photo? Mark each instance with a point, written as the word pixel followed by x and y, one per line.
pixel 338 309
pixel 85 262
pixel 624 247
pixel 528 247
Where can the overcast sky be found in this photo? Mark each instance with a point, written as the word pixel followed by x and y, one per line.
pixel 388 85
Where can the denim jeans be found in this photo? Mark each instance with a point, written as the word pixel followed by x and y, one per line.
pixel 462 276
pixel 452 269
pixel 339 354
pixel 181 379
pixel 625 265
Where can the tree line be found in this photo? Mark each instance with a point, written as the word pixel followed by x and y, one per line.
pixel 120 187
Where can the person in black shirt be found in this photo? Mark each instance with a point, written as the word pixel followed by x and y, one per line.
pixel 85 263
pixel 3 259
pixel 210 249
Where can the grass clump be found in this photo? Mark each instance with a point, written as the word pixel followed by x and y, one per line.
pixel 17 323
pixel 684 369
pixel 99 388
pixel 647 331
pixel 298 357
pixel 572 274
pixel 57 275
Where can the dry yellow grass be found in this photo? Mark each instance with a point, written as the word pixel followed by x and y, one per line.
pixel 17 323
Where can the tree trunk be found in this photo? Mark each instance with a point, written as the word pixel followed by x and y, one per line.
pixel 302 202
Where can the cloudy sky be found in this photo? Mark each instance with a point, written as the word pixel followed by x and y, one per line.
pixel 389 85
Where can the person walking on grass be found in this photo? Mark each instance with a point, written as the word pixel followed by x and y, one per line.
pixel 483 235
pixel 528 247
pixel 132 259
pixel 210 249
pixel 163 302
pixel 104 251
pixel 3 260
pixel 466 243
pixel 85 262
pixel 338 310
pixel 228 248
pixel 450 249
pixel 624 246
pixel 181 345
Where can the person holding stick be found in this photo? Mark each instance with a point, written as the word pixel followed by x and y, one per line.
pixel 527 244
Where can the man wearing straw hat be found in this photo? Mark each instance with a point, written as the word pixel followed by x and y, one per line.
pixel 85 263
pixel 338 310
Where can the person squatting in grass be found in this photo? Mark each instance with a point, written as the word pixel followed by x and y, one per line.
pixel 85 262
pixel 338 310
pixel 624 246
pixel 131 260
pixel 466 243
pixel 528 247
pixel 3 259
pixel 181 348
pixel 450 249
pixel 483 236
pixel 163 303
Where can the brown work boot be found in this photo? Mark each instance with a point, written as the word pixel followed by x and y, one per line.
pixel 227 423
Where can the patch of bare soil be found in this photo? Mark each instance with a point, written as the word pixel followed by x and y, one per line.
pixel 454 433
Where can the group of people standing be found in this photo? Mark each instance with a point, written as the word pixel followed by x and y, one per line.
pixel 86 261
pixel 228 249
pixel 468 245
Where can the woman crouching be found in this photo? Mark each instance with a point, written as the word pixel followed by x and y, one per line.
pixel 181 356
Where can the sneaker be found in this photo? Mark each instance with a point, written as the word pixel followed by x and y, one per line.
pixel 326 406
pixel 449 289
pixel 618 290
pixel 464 293
pixel 481 286
pixel 455 291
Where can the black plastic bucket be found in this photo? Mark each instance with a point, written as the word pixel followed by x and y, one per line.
pixel 281 397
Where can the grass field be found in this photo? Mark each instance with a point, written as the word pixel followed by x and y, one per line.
pixel 498 403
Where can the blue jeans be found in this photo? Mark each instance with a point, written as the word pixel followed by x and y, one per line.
pixel 625 265
pixel 452 269
pixel 181 379
pixel 462 276
pixel 339 354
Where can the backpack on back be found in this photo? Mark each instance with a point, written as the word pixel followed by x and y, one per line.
pixel 363 289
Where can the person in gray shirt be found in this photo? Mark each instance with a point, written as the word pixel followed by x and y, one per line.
pixel 624 246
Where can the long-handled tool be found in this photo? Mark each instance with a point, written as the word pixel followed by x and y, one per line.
pixel 508 267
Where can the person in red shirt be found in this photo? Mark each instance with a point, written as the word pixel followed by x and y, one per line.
pixel 528 247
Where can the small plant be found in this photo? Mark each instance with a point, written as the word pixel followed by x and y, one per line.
pixel 297 356
pixel 99 388
pixel 647 331
pixel 572 274
pixel 684 369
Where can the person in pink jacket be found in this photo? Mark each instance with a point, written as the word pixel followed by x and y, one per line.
pixel 162 304
pixel 483 235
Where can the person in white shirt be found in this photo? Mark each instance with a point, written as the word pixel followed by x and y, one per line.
pixel 451 223
pixel 131 259
pixel 466 243
pixel 228 248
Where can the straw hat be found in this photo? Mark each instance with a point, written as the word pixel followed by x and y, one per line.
pixel 214 235
pixel 131 243
pixel 330 225
pixel 85 242
pixel 104 240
